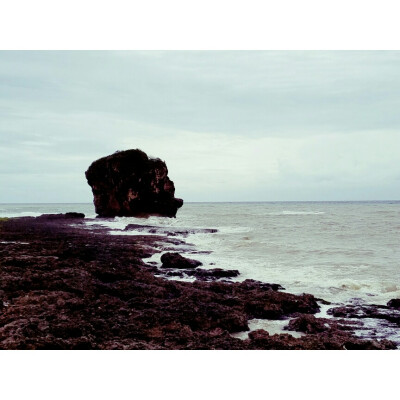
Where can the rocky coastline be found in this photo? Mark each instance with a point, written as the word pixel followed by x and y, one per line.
pixel 63 286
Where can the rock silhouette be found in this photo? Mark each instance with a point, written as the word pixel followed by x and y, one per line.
pixel 129 183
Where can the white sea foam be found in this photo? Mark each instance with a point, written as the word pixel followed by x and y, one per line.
pixel 131 233
pixel 115 224
pixel 273 327
pixel 11 242
pixel 286 212
pixel 20 214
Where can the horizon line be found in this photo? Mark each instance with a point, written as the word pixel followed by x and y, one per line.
pixel 242 201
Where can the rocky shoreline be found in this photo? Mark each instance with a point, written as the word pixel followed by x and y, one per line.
pixel 65 287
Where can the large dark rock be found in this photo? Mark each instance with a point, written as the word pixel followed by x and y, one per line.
pixel 394 303
pixel 175 260
pixel 129 183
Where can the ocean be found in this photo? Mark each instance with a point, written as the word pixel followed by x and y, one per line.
pixel 342 252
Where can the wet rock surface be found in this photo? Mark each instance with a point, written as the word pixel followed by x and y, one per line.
pixel 175 260
pixel 388 313
pixel 64 287
pixel 170 231
pixel 308 324
pixel 129 183
pixel 202 274
pixel 213 273
pixel 329 340
pixel 335 334
pixel 69 215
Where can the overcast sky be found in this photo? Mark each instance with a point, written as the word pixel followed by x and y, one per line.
pixel 231 126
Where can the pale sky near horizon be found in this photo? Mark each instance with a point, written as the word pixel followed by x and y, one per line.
pixel 231 126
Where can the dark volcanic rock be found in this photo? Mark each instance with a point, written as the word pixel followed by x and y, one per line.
pixel 170 231
pixel 388 313
pixel 68 215
pixel 308 324
pixel 251 284
pixel 74 215
pixel 200 274
pixel 129 183
pixel 212 274
pixel 394 303
pixel 276 305
pixel 175 260
pixel 337 340
pixel 203 274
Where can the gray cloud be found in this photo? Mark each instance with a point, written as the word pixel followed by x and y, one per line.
pixel 231 125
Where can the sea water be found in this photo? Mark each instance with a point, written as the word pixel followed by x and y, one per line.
pixel 338 251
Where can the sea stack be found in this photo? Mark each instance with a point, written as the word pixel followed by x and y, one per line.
pixel 129 183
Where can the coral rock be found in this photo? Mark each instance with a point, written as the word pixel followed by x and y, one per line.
pixel 129 183
pixel 175 260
